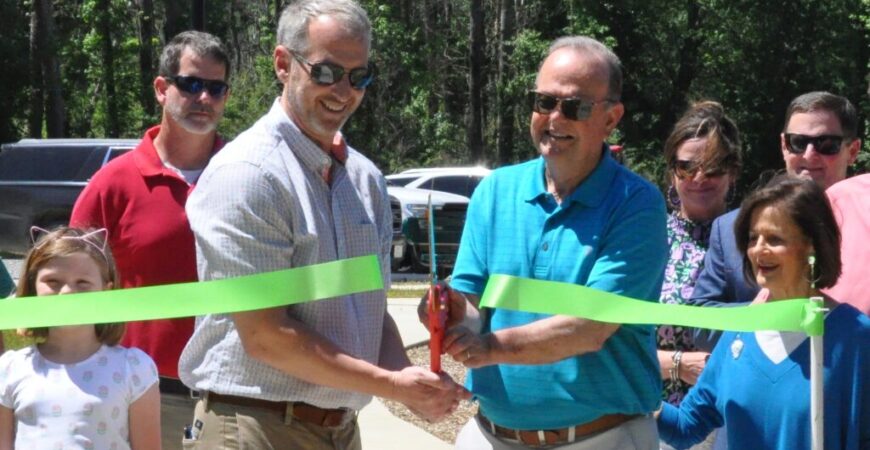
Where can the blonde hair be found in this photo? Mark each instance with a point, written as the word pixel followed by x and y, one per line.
pixel 65 241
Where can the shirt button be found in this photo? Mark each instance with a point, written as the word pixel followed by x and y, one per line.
pixel 545 246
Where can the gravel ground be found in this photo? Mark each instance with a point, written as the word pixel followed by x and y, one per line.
pixel 447 429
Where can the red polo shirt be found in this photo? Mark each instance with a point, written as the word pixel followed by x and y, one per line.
pixel 141 203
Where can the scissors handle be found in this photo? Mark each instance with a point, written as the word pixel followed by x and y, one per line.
pixel 437 305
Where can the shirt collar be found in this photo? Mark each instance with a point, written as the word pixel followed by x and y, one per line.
pixel 149 162
pixel 591 191
pixel 146 156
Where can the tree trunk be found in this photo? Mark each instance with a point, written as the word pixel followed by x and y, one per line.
pixel 689 59
pixel 146 61
pixel 197 8
pixel 104 27
pixel 234 24
pixel 55 110
pixel 505 111
pixel 475 82
pixel 278 9
pixel 34 122
pixel 174 23
pixel 407 12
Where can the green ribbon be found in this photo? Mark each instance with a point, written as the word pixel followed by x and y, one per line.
pixel 551 297
pixel 259 291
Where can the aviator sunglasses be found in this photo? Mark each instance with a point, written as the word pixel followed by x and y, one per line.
pixel 327 74
pixel 825 144
pixel 195 85
pixel 686 170
pixel 573 108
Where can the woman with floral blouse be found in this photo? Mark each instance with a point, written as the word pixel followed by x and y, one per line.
pixel 703 161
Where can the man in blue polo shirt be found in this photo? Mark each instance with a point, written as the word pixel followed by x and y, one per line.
pixel 573 215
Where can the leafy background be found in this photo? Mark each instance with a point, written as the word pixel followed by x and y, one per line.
pixel 452 74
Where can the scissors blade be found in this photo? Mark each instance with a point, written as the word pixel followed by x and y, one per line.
pixel 433 266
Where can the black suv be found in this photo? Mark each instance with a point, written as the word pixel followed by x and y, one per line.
pixel 40 180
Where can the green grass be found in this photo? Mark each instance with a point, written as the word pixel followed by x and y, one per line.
pixel 406 293
pixel 14 341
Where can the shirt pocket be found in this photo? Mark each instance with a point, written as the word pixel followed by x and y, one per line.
pixel 361 237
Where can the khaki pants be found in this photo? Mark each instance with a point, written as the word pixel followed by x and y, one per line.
pixel 238 427
pixel 175 412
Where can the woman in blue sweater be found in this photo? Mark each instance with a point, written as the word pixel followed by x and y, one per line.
pixel 757 384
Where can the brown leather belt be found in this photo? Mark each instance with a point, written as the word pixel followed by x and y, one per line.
pixel 539 438
pixel 298 410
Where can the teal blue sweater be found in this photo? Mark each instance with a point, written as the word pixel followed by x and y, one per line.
pixel 766 405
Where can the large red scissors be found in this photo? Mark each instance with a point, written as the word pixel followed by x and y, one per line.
pixel 437 302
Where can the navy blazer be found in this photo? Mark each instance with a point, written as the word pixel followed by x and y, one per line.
pixel 721 281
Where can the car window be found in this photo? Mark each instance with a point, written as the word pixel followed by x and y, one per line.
pixel 50 163
pixel 115 152
pixel 473 181
pixel 457 184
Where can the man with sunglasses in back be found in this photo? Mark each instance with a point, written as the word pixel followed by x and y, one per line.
pixel 819 141
pixel 139 198
pixel 290 192
pixel 573 215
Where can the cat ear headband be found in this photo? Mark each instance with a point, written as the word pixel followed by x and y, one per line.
pixel 96 239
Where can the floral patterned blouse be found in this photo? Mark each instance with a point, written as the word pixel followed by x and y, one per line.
pixel 688 242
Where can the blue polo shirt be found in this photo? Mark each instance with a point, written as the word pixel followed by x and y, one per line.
pixel 609 234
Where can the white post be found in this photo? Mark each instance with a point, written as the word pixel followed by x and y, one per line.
pixel 817 386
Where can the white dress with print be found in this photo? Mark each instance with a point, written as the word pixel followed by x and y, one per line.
pixel 74 406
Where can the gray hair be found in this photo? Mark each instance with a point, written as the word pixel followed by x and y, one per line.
pixel 585 44
pixel 202 44
pixel 825 101
pixel 293 26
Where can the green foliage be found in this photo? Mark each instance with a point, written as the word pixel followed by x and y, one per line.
pixel 251 96
pixel 751 56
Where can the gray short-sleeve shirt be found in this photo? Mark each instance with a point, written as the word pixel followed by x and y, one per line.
pixel 262 205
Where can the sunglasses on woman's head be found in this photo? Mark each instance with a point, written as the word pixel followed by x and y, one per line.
pixel 327 74
pixel 195 85
pixel 825 144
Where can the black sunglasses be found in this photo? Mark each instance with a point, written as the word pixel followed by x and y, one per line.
pixel 327 74
pixel 686 170
pixel 195 85
pixel 826 144
pixel 573 108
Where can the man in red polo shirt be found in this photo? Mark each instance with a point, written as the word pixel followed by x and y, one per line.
pixel 140 198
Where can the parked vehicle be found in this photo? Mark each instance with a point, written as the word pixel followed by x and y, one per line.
pixel 40 180
pixel 455 180
pixel 412 248
pixel 398 237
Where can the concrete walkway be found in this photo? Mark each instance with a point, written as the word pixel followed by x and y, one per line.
pixel 381 430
